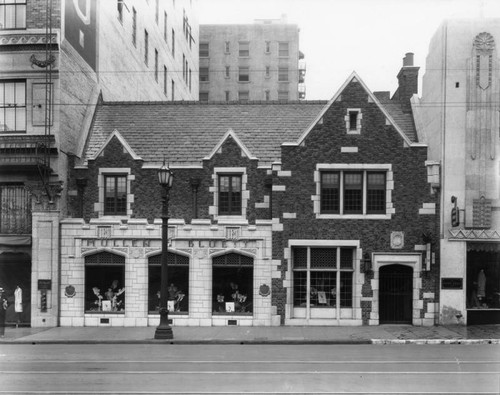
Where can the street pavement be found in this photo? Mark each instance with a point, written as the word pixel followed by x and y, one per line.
pixel 381 334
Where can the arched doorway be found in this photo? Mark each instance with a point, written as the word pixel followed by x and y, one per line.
pixel 395 294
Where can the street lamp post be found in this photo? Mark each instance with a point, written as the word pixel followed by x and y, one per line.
pixel 165 178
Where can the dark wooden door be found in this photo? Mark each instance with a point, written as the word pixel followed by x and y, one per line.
pixel 395 294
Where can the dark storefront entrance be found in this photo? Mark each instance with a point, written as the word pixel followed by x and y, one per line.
pixel 483 283
pixel 395 294
pixel 15 271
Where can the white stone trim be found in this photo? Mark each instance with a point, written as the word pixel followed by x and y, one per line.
pixel 245 193
pixel 104 171
pixel 359 117
pixel 344 316
pixel 348 150
pixel 414 260
pixel 364 167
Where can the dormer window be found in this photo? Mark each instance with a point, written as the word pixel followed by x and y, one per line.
pixel 353 121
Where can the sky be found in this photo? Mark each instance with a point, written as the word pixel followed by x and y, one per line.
pixel 337 37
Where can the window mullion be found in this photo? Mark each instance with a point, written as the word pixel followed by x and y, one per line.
pixel 364 192
pixel 308 282
pixel 337 285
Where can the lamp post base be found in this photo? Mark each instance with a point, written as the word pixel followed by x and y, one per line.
pixel 164 333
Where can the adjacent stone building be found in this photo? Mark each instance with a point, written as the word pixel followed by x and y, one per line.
pixel 56 59
pixel 458 116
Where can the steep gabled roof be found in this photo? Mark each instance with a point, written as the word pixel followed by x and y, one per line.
pixel 403 123
pixel 187 132
pixel 123 142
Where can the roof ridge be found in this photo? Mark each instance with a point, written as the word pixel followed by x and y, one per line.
pixel 227 103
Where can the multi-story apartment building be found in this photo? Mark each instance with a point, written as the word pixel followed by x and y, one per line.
pixel 259 61
pixel 303 213
pixel 459 117
pixel 57 60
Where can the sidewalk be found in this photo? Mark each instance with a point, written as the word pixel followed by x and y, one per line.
pixel 383 334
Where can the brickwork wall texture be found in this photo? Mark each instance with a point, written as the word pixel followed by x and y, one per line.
pixel 36 14
pixel 378 143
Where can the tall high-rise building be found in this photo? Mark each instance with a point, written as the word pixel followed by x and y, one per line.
pixel 259 61
pixel 57 58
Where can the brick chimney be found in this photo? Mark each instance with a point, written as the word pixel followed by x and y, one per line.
pixel 407 83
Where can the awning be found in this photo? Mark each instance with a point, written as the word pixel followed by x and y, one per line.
pixel 483 247
pixel 15 240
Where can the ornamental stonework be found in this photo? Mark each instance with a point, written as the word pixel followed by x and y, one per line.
pixel 484 43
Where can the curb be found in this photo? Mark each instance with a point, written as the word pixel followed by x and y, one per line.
pixel 265 342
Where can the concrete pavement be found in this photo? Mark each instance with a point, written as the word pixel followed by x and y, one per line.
pixel 382 334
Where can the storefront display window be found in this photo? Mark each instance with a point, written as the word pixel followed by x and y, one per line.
pixel 178 287
pixel 483 276
pixel 104 283
pixel 319 281
pixel 232 284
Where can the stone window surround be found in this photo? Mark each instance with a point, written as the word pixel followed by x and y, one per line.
pixel 359 117
pixel 354 167
pixel 414 260
pixel 104 171
pixel 358 280
pixel 245 193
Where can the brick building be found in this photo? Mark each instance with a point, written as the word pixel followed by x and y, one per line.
pixel 56 58
pixel 259 61
pixel 298 213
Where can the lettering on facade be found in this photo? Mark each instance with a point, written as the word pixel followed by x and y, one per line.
pixel 452 283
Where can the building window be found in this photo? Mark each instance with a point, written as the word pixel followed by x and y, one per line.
pixel 203 96
pixel 244 74
pixel 15 209
pixel 172 89
pixel 204 74
pixel 268 46
pixel 353 120
pixel 13 14
pixel 157 11
pixel 244 50
pixel 119 6
pixel 165 25
pixel 330 192
pixel 227 96
pixel 186 67
pixel 227 75
pixel 268 95
pixel 232 287
pixel 323 277
pixel 146 46
pixel 204 50
pixel 165 80
pixel 134 26
pixel 353 192
pixel 243 96
pixel 282 95
pixel 156 65
pixel 104 283
pixel 173 43
pixel 13 106
pixel 268 72
pixel 375 193
pixel 230 194
pixel 226 47
pixel 178 283
pixel 283 50
pixel 190 73
pixel 283 74
pixel 115 195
